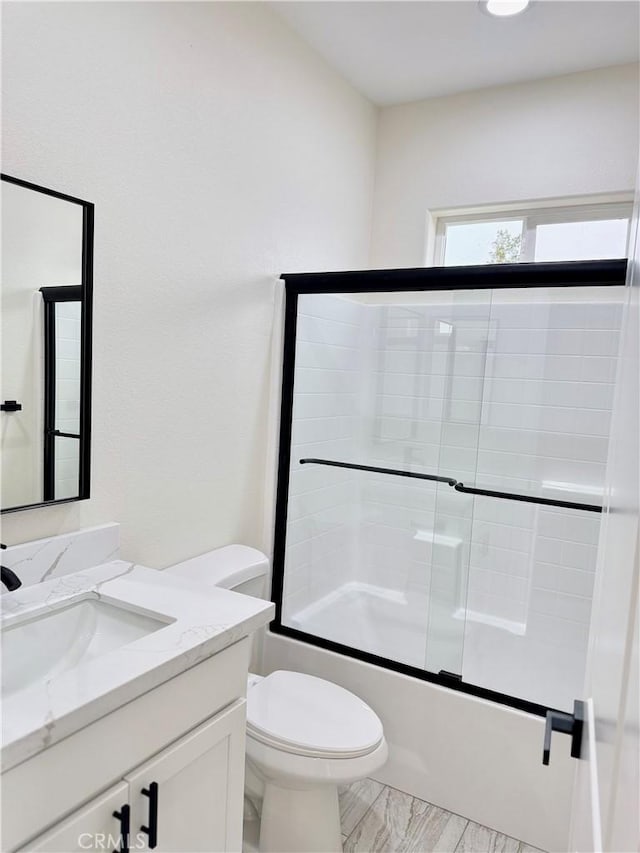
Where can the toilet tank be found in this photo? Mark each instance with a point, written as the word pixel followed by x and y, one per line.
pixel 235 567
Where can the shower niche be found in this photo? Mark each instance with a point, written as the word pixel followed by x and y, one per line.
pixel 443 449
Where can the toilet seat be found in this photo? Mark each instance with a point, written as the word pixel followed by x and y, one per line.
pixel 299 772
pixel 308 716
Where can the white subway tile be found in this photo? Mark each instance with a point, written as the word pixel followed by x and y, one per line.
pixel 575 582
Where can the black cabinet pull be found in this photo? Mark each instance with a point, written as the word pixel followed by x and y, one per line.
pixel 10 406
pixel 124 816
pixel 152 829
pixel 569 724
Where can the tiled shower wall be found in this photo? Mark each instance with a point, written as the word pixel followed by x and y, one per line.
pixel 545 424
pixel 422 413
pixel 527 410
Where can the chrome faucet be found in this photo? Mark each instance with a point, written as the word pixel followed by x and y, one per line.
pixel 9 579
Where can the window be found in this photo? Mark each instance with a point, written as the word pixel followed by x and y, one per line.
pixel 559 233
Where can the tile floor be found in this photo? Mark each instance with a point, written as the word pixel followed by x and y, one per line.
pixel 379 819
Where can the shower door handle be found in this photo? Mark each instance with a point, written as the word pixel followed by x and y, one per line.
pixel 569 724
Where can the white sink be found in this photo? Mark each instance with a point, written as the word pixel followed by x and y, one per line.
pixel 48 642
pixel 76 648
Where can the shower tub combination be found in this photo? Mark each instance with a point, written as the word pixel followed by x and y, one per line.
pixel 443 447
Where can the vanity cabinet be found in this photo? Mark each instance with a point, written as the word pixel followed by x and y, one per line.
pixel 187 736
pixel 187 797
pixel 200 783
pixel 81 830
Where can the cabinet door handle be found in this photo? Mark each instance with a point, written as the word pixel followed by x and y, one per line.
pixel 124 816
pixel 152 829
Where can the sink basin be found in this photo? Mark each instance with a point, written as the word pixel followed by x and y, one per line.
pixel 50 642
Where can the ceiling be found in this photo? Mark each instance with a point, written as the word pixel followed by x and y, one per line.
pixel 395 51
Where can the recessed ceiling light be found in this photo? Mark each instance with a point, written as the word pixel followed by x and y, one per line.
pixel 503 8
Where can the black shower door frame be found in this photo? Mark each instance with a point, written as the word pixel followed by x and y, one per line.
pixel 487 277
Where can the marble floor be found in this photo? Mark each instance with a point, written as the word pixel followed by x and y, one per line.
pixel 379 819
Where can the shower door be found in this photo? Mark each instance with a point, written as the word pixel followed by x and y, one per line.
pixel 442 436
pixel 386 415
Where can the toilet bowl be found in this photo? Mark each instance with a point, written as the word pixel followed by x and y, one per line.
pixel 305 735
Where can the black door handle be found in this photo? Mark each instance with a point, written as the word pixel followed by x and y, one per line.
pixel 152 829
pixel 569 724
pixel 10 406
pixel 124 816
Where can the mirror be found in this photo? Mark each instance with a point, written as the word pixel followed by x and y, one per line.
pixel 46 298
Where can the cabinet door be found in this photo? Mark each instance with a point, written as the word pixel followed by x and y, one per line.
pixel 198 787
pixel 93 827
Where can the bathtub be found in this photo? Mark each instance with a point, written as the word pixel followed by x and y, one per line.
pixel 435 635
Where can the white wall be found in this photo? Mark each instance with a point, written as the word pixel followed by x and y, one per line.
pixel 219 151
pixel 41 246
pixel 565 136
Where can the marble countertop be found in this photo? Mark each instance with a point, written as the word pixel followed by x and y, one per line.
pixel 198 623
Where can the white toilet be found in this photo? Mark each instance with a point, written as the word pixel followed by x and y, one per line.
pixel 305 735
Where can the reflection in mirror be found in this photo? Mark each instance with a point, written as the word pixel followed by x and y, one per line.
pixel 62 357
pixel 47 243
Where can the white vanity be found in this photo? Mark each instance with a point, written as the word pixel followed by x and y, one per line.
pixel 123 712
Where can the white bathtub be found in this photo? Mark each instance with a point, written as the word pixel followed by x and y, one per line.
pixel 492 653
pixel 477 758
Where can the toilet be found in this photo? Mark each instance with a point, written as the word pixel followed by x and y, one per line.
pixel 305 735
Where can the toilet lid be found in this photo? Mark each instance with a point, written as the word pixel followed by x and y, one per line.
pixel 310 716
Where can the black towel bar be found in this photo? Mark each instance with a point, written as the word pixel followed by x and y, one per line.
pixel 459 487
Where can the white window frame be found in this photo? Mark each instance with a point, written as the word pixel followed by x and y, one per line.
pixel 532 215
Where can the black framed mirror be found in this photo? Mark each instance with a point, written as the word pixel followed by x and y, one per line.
pixel 46 294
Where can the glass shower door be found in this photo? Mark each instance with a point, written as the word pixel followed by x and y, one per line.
pixel 386 413
pixel 360 484
pixel 440 509
pixel 539 484
pixel 462 340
